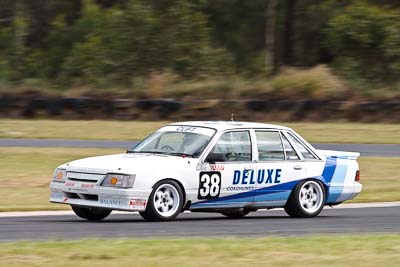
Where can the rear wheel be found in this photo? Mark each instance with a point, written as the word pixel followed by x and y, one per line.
pixel 235 213
pixel 307 200
pixel 165 202
pixel 91 214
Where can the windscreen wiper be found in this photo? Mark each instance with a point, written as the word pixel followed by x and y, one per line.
pixel 147 152
pixel 180 154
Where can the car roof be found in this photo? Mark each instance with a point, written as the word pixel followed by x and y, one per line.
pixel 227 125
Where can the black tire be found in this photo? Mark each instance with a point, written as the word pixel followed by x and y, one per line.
pixel 235 213
pixel 296 207
pixel 153 212
pixel 91 214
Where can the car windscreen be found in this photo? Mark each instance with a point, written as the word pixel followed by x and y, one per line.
pixel 176 140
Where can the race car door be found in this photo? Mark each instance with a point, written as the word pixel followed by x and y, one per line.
pixel 279 168
pixel 225 177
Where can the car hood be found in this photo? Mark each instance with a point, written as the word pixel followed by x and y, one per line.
pixel 124 163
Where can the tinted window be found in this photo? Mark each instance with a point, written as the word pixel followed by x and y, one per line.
pixel 304 151
pixel 235 146
pixel 290 152
pixel 269 146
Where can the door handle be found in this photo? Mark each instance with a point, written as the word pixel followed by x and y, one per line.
pixel 297 167
pixel 248 168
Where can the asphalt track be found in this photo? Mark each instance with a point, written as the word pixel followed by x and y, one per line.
pixel 368 150
pixel 261 223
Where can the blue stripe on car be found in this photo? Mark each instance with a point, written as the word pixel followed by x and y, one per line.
pixel 331 173
pixel 336 187
pixel 248 196
pixel 329 170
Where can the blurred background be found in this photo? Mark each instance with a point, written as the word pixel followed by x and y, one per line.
pixel 81 78
pixel 167 59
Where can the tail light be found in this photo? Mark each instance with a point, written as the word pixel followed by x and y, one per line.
pixel 358 176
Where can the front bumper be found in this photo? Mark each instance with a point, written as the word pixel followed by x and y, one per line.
pixel 90 195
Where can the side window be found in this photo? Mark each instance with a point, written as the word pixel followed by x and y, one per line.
pixel 269 146
pixel 290 152
pixel 304 150
pixel 234 146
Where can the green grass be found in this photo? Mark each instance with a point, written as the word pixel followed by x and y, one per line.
pixel 364 250
pixel 380 178
pixel 338 132
pixel 26 173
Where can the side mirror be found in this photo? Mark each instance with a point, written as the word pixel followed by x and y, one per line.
pixel 215 157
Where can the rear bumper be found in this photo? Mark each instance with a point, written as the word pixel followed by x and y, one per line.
pixel 338 194
pixel 100 197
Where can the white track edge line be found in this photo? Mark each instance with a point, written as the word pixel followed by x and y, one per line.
pixel 68 212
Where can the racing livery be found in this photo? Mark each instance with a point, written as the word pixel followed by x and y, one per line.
pixel 229 167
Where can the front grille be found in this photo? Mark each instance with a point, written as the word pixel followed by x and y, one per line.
pixel 72 195
pixel 81 180
pixel 82 196
pixel 84 177
pixel 91 197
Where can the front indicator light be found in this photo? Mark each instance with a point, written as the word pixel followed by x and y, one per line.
pixel 60 175
pixel 119 180
pixel 114 180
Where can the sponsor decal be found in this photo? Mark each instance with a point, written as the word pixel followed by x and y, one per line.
pixel 209 185
pixel 240 188
pixel 216 167
pixel 56 195
pixel 185 129
pixel 87 186
pixel 263 176
pixel 110 201
pixel 137 204
pixel 79 185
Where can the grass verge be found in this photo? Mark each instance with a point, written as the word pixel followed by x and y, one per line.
pixel 26 173
pixel 364 250
pixel 380 178
pixel 134 130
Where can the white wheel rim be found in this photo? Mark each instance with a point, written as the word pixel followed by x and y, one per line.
pixel 166 200
pixel 311 197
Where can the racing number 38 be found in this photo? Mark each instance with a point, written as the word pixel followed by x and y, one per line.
pixel 210 185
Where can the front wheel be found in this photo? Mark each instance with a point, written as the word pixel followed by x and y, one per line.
pixel 307 200
pixel 91 214
pixel 165 202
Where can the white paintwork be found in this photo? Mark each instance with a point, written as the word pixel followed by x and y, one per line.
pixel 152 168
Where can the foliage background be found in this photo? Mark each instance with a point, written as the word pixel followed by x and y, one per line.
pixel 153 45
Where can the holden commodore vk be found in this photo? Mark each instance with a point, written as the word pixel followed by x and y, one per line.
pixel 228 167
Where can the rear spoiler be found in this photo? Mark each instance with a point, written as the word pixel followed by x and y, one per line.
pixel 339 154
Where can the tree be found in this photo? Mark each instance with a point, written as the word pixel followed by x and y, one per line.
pixel 272 60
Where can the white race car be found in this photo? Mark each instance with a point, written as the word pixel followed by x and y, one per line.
pixel 228 167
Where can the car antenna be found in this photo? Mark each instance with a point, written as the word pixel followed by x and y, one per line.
pixel 232 115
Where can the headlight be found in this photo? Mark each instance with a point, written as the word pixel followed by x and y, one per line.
pixel 59 175
pixel 119 180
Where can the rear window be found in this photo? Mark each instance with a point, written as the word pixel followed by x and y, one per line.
pixel 290 152
pixel 307 154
